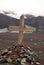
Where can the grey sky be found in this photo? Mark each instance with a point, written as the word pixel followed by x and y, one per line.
pixel 35 7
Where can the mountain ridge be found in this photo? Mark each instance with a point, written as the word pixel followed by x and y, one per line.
pixel 37 22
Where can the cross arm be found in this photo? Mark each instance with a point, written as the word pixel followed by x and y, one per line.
pixel 16 28
pixel 29 29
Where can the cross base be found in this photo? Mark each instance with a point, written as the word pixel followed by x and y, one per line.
pixel 19 55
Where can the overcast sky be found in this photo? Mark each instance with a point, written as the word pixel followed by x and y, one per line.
pixel 35 7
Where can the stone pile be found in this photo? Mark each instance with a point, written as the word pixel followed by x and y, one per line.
pixel 19 55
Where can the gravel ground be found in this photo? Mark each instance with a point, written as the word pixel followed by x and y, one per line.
pixel 37 46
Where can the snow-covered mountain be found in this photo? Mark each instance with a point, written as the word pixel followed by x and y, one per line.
pixel 8 18
pixel 4 30
pixel 10 13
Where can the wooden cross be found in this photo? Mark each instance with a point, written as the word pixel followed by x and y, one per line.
pixel 21 28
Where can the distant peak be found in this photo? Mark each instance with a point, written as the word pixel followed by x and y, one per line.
pixel 28 15
pixel 10 13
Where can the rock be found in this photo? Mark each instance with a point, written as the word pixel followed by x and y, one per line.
pixel 4 52
pixel 9 60
pixel 19 55
pixel 2 59
pixel 37 63
pixel 23 61
pixel 18 62
pixel 9 52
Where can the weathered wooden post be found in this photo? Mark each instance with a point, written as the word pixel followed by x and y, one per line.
pixel 21 27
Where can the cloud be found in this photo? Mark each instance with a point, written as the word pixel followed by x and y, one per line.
pixel 23 6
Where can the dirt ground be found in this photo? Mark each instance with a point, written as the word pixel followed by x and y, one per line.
pixel 35 41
